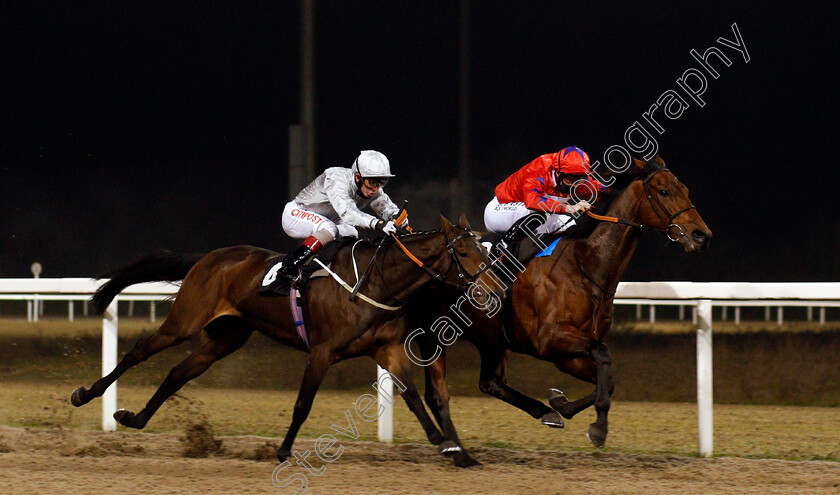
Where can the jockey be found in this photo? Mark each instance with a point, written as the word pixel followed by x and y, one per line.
pixel 331 205
pixel 547 185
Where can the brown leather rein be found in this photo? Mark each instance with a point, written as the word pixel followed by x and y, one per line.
pixel 658 208
pixel 465 276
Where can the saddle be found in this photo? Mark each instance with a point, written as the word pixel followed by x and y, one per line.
pixel 274 285
pixel 526 249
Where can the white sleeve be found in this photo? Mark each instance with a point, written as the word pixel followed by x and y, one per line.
pixel 383 206
pixel 338 192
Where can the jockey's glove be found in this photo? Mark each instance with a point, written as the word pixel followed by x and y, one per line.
pixel 386 227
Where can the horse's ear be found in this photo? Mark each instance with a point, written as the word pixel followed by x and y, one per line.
pixel 658 159
pixel 639 164
pixel 445 224
pixel 463 222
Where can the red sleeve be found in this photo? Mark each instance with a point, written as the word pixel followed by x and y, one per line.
pixel 536 199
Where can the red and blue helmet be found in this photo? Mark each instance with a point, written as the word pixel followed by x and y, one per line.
pixel 573 161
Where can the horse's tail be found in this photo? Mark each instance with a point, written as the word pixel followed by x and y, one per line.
pixel 157 267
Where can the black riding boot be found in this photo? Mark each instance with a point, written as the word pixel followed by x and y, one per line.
pixel 297 259
pixel 514 234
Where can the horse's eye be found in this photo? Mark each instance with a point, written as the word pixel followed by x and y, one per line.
pixel 463 255
pixel 664 192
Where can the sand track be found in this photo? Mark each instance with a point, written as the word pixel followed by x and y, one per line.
pixel 57 461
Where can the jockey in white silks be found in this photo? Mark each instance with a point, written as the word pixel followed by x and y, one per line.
pixel 332 204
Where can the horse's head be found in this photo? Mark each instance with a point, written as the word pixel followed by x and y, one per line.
pixel 665 205
pixel 470 260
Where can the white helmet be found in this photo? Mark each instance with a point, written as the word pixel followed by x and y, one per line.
pixel 372 164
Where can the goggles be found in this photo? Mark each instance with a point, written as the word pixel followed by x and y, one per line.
pixel 571 179
pixel 375 182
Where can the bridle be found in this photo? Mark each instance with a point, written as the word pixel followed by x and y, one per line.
pixel 658 208
pixel 465 276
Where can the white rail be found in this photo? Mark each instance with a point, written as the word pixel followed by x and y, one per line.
pixel 702 295
pixel 708 294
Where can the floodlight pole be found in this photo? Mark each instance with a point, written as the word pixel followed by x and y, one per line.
pixel 464 197
pixel 302 135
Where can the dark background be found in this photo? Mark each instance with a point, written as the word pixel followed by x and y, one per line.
pixel 128 127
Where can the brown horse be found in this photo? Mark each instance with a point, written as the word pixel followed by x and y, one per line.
pixel 561 307
pixel 218 301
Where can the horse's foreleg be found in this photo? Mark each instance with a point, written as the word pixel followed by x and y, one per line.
pixel 215 344
pixel 592 369
pixel 597 432
pixel 316 367
pixel 437 398
pixel 493 382
pixel 394 359
pixel 595 369
pixel 169 334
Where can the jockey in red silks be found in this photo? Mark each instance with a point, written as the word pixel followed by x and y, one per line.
pixel 547 185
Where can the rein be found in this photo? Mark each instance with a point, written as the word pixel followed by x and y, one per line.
pixel 465 276
pixel 658 208
pixel 660 211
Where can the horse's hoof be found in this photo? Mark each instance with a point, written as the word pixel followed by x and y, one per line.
pixel 558 401
pixel 556 393
pixel 552 420
pixel 596 436
pixel 124 417
pixel 556 398
pixel 283 454
pixel 463 460
pixel 76 397
pixel 448 447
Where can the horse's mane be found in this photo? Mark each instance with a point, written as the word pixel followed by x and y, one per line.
pixel 584 224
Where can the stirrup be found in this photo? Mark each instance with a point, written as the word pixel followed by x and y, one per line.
pixel 292 278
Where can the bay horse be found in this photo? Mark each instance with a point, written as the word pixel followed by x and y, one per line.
pixel 561 307
pixel 218 302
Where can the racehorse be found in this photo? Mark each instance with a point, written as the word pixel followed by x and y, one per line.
pixel 218 301
pixel 561 307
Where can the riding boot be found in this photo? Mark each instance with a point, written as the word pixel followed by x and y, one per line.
pixel 514 234
pixel 294 262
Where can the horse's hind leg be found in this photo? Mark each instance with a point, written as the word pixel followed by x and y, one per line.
pixel 493 381
pixel 219 338
pixel 170 333
pixel 320 358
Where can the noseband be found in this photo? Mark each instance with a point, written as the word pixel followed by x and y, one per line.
pixel 660 209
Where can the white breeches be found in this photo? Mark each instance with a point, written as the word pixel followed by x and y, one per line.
pixel 498 217
pixel 300 224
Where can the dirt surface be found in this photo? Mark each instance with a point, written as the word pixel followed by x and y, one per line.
pixel 57 461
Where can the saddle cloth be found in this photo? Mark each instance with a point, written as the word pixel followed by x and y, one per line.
pixel 526 249
pixel 273 284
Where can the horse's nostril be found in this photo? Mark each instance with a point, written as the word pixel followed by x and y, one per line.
pixel 699 236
